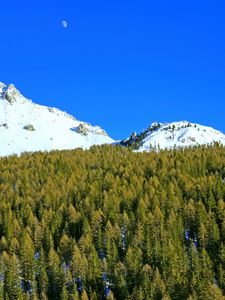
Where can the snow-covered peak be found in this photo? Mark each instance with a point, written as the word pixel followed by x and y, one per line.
pixel 26 126
pixel 155 124
pixel 2 87
pixel 175 134
pixel 10 93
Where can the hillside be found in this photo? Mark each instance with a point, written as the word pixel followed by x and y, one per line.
pixel 108 223
pixel 26 126
pixel 176 134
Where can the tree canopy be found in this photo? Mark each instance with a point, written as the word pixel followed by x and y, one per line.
pixel 109 223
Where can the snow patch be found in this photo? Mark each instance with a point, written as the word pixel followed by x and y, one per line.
pixel 27 127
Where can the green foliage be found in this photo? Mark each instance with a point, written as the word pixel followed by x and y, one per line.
pixel 112 224
pixel 135 141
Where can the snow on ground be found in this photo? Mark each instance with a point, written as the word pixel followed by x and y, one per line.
pixel 180 134
pixel 26 126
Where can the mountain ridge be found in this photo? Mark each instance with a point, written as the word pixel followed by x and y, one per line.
pixel 178 134
pixel 27 127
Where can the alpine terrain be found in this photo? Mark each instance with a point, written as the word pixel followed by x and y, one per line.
pixel 26 126
pixel 175 134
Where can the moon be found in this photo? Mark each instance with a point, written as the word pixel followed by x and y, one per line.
pixel 64 24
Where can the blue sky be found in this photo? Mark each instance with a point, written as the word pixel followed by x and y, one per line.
pixel 119 64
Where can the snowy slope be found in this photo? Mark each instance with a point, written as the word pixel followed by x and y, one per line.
pixel 169 135
pixel 26 126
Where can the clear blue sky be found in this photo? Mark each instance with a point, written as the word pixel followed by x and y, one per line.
pixel 121 64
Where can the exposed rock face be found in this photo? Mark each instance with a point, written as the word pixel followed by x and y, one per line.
pixel 4 125
pixel 176 134
pixel 11 93
pixel 103 132
pixel 27 126
pixel 2 87
pixel 82 129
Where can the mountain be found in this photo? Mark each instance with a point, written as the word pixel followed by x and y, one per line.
pixel 26 126
pixel 175 134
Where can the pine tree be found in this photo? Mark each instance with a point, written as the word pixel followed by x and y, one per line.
pixel 55 275
pixel 41 276
pixel 12 280
pixel 27 262
pixel 84 296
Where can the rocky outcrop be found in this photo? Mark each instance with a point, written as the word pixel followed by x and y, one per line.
pixel 82 129
pixel 2 87
pixel 29 127
pixel 9 93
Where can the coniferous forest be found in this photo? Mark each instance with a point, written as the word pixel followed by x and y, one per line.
pixel 109 223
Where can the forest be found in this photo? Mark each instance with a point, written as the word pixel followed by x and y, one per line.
pixel 109 223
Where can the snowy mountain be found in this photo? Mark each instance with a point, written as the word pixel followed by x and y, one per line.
pixel 169 135
pixel 26 126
